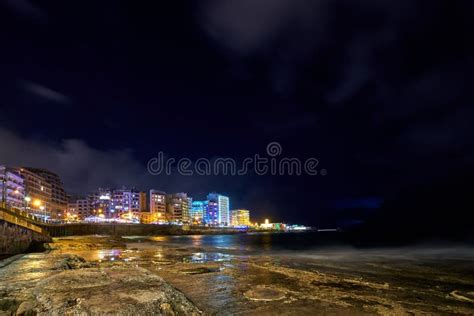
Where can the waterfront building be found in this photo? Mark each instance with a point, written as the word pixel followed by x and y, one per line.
pixel 188 218
pixel 273 226
pixel 38 191
pixel 12 188
pixel 178 207
pixel 240 218
pixel 148 217
pixel 59 198
pixel 156 212
pixel 113 203
pixel 223 206
pixel 211 213
pixel 198 210
pixel 81 208
pixel 72 208
pixel 157 202
pixel 100 202
pixel 125 200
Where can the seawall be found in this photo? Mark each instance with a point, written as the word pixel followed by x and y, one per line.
pixel 16 239
pixel 81 229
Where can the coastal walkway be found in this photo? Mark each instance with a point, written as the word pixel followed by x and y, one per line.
pixel 22 219
pixel 34 224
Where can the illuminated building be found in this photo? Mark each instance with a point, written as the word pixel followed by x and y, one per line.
pixel 178 207
pixel 297 227
pixel 81 208
pixel 157 202
pixel 240 218
pixel 100 203
pixel 12 188
pixel 125 200
pixel 198 210
pixel 114 203
pixel 149 217
pixel 72 208
pixel 59 198
pixel 38 190
pixel 211 213
pixel 188 212
pixel 273 226
pixel 279 226
pixel 266 225
pixel 156 213
pixel 223 206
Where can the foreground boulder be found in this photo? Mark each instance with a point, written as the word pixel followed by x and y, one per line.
pixel 117 291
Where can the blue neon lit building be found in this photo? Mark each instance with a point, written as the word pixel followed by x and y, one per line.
pixel 211 213
pixel 223 207
pixel 198 211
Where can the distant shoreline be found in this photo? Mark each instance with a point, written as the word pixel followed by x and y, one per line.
pixel 121 229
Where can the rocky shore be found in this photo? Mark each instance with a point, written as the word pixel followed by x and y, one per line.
pixel 58 284
pixel 97 275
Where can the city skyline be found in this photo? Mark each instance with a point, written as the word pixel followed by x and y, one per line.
pixel 20 187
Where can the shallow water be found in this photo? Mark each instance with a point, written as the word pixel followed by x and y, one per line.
pixel 259 274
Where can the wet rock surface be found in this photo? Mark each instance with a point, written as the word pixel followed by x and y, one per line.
pixel 265 293
pixel 59 284
pixel 120 290
pixel 201 270
pixel 149 276
pixel 72 262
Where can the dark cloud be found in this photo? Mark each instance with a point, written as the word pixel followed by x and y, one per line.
pixel 84 168
pixel 26 8
pixel 391 65
pixel 81 167
pixel 45 92
pixel 248 26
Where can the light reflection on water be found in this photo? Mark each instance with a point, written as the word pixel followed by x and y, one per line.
pixel 109 255
pixel 224 242
pixel 255 243
pixel 154 255
pixel 104 255
pixel 159 238
pixel 204 257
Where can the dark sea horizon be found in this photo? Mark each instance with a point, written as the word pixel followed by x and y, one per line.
pixel 307 243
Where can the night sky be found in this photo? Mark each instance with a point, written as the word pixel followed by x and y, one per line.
pixel 379 91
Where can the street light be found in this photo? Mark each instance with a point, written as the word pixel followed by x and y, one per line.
pixel 37 203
